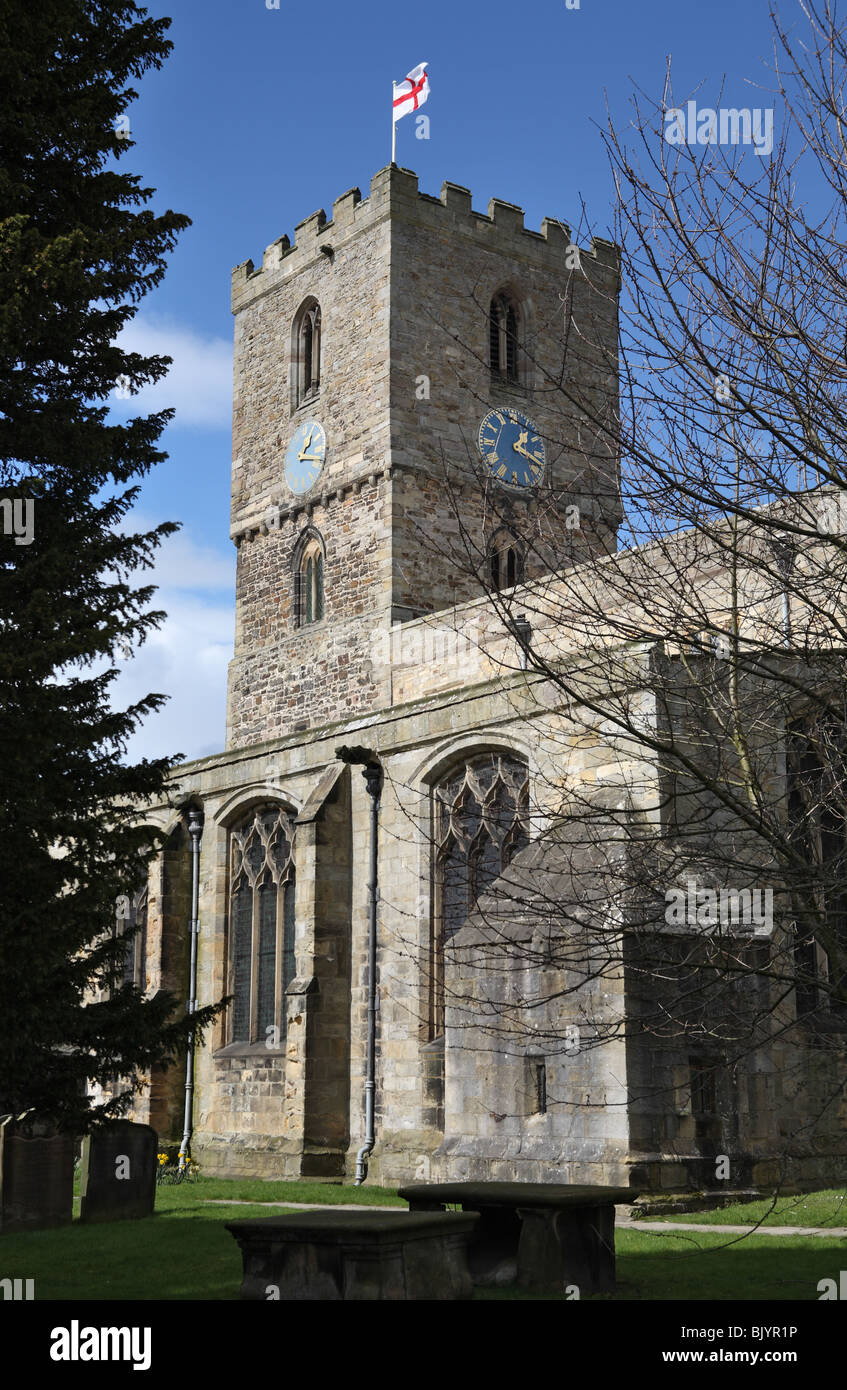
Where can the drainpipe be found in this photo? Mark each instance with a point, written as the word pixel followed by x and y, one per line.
pixel 373 781
pixel 195 831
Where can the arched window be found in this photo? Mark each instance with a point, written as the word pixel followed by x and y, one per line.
pixel 505 561
pixel 503 330
pixel 135 964
pixel 261 957
pixel 480 813
pixel 816 766
pixel 310 583
pixel 131 921
pixel 307 353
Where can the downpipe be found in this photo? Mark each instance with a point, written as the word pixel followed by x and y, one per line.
pixel 373 781
pixel 195 831
pixel 372 774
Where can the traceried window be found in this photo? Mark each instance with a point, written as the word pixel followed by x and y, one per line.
pixel 307 353
pixel 261 925
pixel 817 809
pixel 503 330
pixel 311 583
pixel 480 813
pixel 704 1074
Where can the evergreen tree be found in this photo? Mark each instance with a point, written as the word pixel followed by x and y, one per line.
pixel 78 250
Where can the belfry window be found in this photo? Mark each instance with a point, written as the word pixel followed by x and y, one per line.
pixel 311 583
pixel 503 340
pixel 261 925
pixel 307 348
pixel 480 814
pixel 505 562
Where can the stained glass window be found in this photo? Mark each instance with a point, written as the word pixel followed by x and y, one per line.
pixel 817 796
pixel 480 819
pixel 261 924
pixel 131 921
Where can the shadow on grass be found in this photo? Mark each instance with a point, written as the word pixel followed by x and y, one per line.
pixel 184 1252
pixel 701 1266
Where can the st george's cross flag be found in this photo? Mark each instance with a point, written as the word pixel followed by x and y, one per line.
pixel 412 92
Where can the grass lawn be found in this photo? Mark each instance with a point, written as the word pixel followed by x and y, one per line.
pixel 827 1208
pixel 702 1266
pixel 707 1265
pixel 183 1252
pixel 258 1190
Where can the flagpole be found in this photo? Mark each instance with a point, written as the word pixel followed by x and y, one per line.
pixel 393 126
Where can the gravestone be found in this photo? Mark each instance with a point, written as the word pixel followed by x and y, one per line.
pixel 543 1235
pixel 328 1255
pixel 118 1172
pixel 36 1174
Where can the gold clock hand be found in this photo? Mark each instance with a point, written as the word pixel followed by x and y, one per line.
pixel 519 446
pixel 306 442
pixel 527 455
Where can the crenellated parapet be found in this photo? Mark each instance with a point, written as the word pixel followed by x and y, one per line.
pixel 394 193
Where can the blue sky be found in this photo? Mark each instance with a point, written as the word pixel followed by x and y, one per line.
pixel 262 116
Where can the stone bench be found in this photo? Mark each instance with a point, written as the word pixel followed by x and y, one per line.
pixel 349 1255
pixel 538 1235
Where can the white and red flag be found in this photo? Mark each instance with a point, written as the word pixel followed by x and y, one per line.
pixel 411 94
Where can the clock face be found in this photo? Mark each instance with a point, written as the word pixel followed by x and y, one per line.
pixel 511 448
pixel 305 457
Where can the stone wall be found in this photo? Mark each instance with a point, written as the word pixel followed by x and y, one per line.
pixel 283 677
pixel 447 263
pixel 302 1113
pixel 404 282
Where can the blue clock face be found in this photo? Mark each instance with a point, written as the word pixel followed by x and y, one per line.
pixel 305 457
pixel 511 448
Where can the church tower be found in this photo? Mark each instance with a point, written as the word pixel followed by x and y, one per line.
pixel 423 398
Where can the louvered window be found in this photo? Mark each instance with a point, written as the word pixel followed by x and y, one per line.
pixel 312 584
pixel 505 560
pixel 503 340
pixel 307 367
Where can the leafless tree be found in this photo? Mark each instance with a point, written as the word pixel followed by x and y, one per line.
pixel 701 661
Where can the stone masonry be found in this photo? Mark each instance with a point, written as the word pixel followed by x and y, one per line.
pixel 411 660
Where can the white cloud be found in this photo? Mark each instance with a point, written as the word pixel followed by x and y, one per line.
pixel 187 657
pixel 183 564
pixel 198 384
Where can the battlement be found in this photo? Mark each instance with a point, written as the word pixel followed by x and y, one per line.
pixel 394 194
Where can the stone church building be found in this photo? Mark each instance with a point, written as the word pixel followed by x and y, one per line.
pixel 394 410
